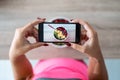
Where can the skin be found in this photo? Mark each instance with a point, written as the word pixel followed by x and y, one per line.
pixel 20 46
pixel 90 47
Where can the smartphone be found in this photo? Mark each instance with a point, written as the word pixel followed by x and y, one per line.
pixel 59 32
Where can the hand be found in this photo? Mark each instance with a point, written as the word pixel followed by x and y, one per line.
pixel 20 44
pixel 90 46
pixel 90 43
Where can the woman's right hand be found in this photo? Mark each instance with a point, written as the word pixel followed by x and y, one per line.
pixel 20 44
pixel 90 43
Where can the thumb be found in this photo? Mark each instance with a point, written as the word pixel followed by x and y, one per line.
pixel 36 45
pixel 77 47
pixel 32 46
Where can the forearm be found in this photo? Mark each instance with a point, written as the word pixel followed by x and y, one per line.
pixel 21 67
pixel 97 69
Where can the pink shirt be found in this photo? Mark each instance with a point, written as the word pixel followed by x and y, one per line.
pixel 60 68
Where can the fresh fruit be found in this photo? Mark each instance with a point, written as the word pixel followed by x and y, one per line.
pixel 60 33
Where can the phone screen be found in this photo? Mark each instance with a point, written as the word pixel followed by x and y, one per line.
pixel 62 32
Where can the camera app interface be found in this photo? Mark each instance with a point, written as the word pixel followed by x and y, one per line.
pixel 59 32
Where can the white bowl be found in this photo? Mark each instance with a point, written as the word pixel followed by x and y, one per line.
pixel 51 20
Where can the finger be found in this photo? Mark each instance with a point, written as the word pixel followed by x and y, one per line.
pixel 36 45
pixel 86 25
pixel 68 44
pixel 35 22
pixel 77 47
pixel 35 35
pixel 84 35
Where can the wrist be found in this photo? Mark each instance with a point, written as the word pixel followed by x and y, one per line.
pixel 97 58
pixel 15 55
pixel 17 59
pixel 96 53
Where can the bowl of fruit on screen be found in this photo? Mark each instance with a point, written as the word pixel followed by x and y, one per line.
pixel 60 33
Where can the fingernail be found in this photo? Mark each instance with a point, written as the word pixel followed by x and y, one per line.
pixel 71 19
pixel 45 44
pixel 44 18
pixel 68 44
pixel 38 18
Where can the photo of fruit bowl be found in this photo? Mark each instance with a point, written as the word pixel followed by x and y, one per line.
pixel 60 20
pixel 60 33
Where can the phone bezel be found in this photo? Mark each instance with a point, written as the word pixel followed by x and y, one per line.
pixel 40 32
